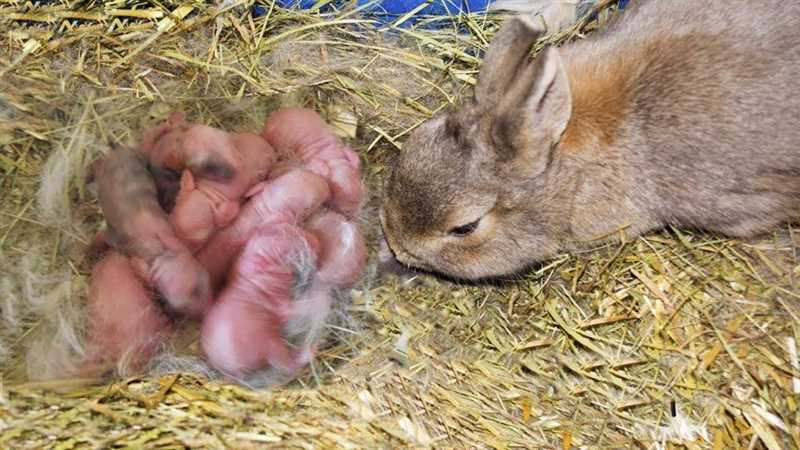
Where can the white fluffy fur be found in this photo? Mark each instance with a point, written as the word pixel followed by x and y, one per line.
pixel 64 172
pixel 170 363
pixel 59 345
pixel 41 321
pixel 43 305
pixel 53 195
pixel 680 430
pixel 11 314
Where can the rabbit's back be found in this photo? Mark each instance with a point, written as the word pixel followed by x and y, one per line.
pixel 677 16
pixel 701 108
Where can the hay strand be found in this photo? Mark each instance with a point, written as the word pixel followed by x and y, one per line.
pixel 672 340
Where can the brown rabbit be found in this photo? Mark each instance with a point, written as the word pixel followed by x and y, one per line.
pixel 682 113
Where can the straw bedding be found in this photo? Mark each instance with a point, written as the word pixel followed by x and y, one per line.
pixel 674 340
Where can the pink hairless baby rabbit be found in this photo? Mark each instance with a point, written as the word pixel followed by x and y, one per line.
pixel 300 134
pixel 244 330
pixel 125 323
pixel 217 169
pixel 289 198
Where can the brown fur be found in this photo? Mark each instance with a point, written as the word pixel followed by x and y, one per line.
pixel 678 114
pixel 598 101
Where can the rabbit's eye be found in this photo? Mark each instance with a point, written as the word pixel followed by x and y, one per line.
pixel 464 230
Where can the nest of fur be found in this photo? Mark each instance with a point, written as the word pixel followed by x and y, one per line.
pixel 676 339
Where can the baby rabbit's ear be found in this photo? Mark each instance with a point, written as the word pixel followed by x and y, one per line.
pixel 507 55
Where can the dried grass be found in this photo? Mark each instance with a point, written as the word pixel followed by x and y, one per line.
pixel 675 336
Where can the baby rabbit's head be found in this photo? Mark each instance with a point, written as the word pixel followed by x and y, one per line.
pixel 468 196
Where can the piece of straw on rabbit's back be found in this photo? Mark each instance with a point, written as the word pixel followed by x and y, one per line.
pixel 680 113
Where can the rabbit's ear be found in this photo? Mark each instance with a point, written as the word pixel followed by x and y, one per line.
pixel 507 54
pixel 534 112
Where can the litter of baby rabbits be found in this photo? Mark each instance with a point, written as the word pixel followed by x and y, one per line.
pixel 673 340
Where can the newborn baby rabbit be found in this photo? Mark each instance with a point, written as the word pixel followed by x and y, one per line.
pixel 216 170
pixel 138 227
pixel 677 114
